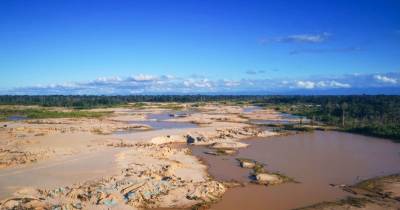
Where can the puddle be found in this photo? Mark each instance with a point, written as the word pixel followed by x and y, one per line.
pixel 160 116
pixel 314 159
pixel 16 118
pixel 158 125
pixel 250 109
pixel 158 122
pixel 169 115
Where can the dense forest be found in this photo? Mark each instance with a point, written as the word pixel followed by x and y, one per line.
pixel 377 115
pixel 83 102
pixel 371 115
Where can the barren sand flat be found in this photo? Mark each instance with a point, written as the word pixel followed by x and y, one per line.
pixel 177 134
pixel 58 172
pixel 31 149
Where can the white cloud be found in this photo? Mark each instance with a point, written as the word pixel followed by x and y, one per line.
pixel 144 77
pixel 385 79
pixel 109 79
pixel 305 38
pixel 202 83
pixel 305 84
pixel 149 84
pixel 338 84
pixel 231 83
pixel 321 84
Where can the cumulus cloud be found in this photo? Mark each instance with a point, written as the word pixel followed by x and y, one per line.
pixel 202 83
pixel 321 84
pixel 333 84
pixel 144 77
pixel 385 79
pixel 305 84
pixel 168 84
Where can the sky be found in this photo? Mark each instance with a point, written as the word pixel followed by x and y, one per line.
pixel 199 46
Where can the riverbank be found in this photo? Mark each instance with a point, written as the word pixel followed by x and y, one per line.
pixel 378 193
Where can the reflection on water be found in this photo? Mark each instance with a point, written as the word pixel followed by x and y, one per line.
pixel 16 118
pixel 157 125
pixel 159 121
pixel 159 116
pixel 250 109
pixel 315 159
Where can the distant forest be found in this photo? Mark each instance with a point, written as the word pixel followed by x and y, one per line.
pixel 377 115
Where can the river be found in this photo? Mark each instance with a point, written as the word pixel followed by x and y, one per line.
pixel 315 159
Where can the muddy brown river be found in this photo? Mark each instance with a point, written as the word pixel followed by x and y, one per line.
pixel 314 159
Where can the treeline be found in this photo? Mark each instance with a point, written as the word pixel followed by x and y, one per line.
pixel 78 101
pixel 377 115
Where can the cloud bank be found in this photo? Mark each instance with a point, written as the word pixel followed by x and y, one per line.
pixel 168 84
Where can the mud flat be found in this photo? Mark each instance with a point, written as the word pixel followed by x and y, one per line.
pixel 316 160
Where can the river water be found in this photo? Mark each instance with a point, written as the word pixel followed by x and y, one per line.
pixel 158 121
pixel 314 159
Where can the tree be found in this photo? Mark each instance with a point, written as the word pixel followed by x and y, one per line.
pixel 343 106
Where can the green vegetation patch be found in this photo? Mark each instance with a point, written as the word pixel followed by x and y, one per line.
pixel 369 115
pixel 137 105
pixel 386 131
pixel 39 113
pixel 172 106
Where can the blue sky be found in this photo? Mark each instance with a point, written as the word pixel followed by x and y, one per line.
pixel 185 46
